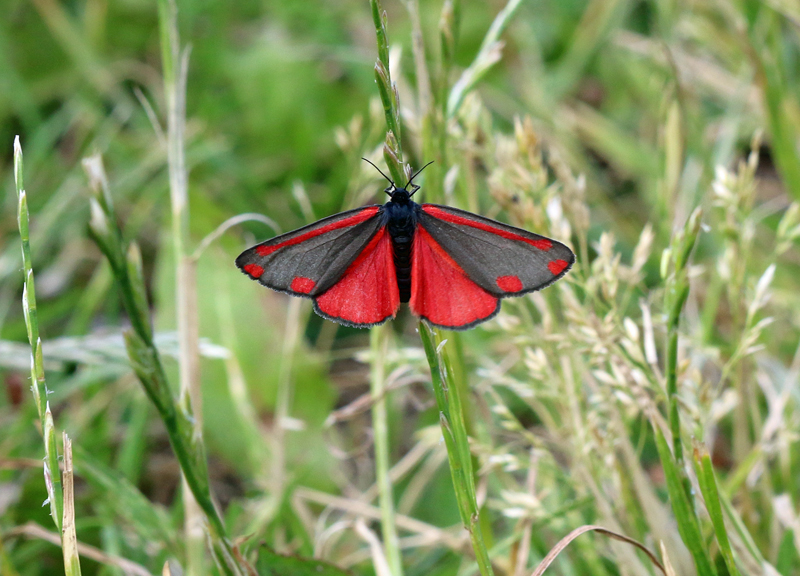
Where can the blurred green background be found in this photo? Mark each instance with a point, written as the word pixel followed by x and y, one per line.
pixel 600 117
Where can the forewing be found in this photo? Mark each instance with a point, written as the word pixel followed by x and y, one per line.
pixel 309 260
pixel 501 259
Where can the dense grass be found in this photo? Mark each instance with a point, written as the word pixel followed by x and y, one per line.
pixel 654 392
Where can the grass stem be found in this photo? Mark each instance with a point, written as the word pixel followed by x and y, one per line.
pixel 52 469
pixel 146 362
pixel 69 538
pixel 451 419
pixel 175 66
pixel 379 339
pixel 393 148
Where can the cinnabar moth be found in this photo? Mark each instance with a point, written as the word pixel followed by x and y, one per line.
pixel 451 266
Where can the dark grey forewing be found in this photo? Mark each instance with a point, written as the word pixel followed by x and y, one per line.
pixel 323 254
pixel 485 255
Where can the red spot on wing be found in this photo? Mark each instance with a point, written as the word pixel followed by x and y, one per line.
pixel 254 270
pixel 557 266
pixel 440 290
pixel 367 293
pixel 541 243
pixel 365 214
pixel 302 285
pixel 509 283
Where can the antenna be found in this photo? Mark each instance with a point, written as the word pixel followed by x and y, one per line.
pixel 417 174
pixel 379 170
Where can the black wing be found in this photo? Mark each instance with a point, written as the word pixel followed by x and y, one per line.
pixel 501 259
pixel 309 260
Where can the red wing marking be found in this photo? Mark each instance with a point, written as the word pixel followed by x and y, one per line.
pixel 509 283
pixel 367 293
pixel 365 214
pixel 254 270
pixel 541 243
pixel 557 266
pixel 302 285
pixel 440 290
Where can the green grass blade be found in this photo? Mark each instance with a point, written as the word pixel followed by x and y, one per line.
pixel 688 523
pixel 488 55
pixel 150 521
pixel 708 486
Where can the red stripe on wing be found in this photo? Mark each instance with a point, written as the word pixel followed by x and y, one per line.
pixel 367 293
pixel 540 243
pixel 441 292
pixel 365 214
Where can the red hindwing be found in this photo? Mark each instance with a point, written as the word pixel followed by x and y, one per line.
pixel 367 294
pixel 441 292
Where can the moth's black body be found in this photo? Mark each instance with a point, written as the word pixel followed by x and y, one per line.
pixel 401 214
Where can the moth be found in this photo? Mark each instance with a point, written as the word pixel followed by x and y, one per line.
pixel 452 267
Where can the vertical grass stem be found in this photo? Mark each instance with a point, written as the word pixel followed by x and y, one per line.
pixel 451 418
pixel 52 471
pixel 175 67
pixel 677 291
pixel 379 339
pixel 69 538
pixel 393 150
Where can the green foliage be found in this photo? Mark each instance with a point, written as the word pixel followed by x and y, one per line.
pixel 653 392
pixel 272 564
